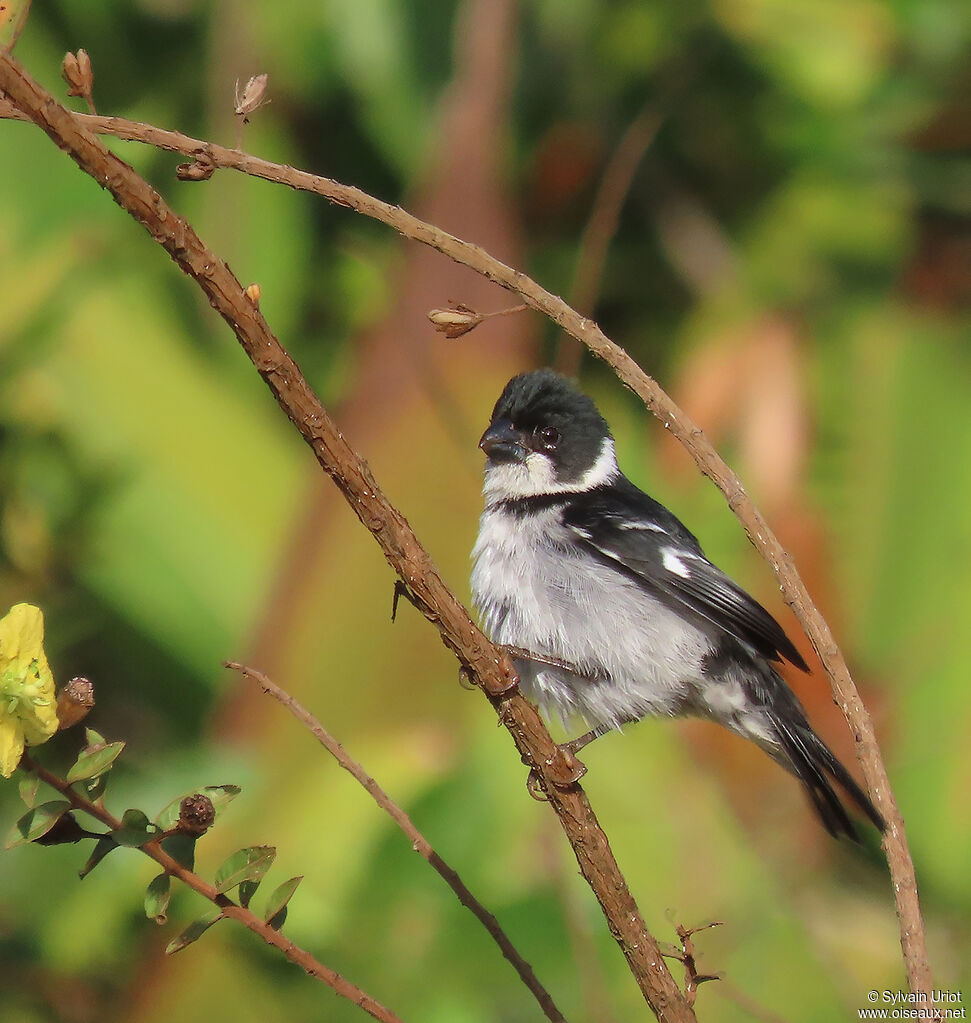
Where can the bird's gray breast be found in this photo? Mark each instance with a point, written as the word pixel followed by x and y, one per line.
pixel 539 588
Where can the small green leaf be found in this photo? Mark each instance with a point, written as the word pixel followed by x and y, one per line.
pixel 182 848
pixel 247 889
pixel 29 784
pixel 103 846
pixel 219 796
pixel 36 822
pixel 276 904
pixel 94 738
pixel 95 787
pixel 193 932
pixel 136 829
pixel 157 898
pixel 94 762
pixel 245 865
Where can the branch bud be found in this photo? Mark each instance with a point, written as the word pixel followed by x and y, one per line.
pixel 197 170
pixel 254 293
pixel 78 73
pixel 196 815
pixel 455 322
pixel 74 701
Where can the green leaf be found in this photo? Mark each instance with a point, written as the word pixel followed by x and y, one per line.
pixel 245 865
pixel 193 932
pixel 95 788
pixel 36 822
pixel 219 795
pixel 136 829
pixel 94 762
pixel 103 846
pixel 247 889
pixel 276 904
pixel 182 848
pixel 29 784
pixel 157 898
pixel 93 738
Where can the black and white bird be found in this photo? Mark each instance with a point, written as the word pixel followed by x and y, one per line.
pixel 612 609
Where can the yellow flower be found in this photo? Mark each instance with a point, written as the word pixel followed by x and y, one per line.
pixel 27 707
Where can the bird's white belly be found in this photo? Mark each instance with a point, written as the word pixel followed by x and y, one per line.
pixel 538 590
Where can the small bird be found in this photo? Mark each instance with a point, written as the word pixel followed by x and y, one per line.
pixel 608 605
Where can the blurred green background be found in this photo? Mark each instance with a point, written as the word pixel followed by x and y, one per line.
pixel 792 260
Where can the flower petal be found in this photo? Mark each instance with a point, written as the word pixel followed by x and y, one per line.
pixel 11 744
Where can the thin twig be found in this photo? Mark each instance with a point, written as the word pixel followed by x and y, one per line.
pixel 487 664
pixel 418 841
pixel 231 910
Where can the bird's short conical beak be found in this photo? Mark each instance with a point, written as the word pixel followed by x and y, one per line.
pixel 502 443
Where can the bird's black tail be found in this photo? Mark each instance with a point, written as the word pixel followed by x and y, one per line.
pixel 812 761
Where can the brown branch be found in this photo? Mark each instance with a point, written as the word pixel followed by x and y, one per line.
pixel 708 460
pixel 418 841
pixel 231 910
pixel 488 665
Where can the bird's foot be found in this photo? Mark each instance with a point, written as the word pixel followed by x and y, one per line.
pixel 562 769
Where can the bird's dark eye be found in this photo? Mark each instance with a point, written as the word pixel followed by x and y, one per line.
pixel 548 437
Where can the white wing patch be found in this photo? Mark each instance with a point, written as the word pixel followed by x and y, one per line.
pixel 653 527
pixel 674 564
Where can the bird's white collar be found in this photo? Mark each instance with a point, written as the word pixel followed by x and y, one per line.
pixel 511 481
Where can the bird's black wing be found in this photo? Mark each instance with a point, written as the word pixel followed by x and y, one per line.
pixel 636 534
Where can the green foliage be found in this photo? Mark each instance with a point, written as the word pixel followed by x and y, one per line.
pixel 101 849
pixel 136 829
pixel 94 761
pixel 276 905
pixel 157 897
pixel 36 822
pixel 193 932
pixel 244 865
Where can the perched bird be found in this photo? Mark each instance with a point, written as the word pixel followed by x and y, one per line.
pixel 611 609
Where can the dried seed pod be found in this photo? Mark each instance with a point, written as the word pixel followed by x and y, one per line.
pixel 196 815
pixel 454 322
pixel 74 701
pixel 253 95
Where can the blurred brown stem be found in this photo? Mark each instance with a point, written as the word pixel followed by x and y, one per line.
pixel 418 841
pixel 488 665
pixel 615 184
pixel 231 910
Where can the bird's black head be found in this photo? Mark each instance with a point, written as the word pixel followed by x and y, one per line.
pixel 545 437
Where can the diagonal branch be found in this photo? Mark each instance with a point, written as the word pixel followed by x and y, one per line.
pixel 231 910
pixel 912 932
pixel 419 843
pixel 484 662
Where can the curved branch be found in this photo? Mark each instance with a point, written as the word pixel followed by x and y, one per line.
pixel 488 665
